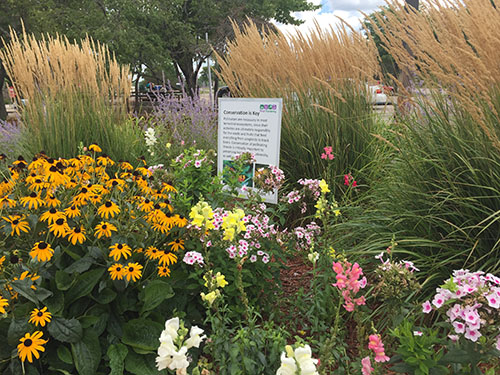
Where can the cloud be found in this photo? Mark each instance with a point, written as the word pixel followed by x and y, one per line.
pixel 326 17
pixel 354 5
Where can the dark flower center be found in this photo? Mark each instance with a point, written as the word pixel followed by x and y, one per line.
pixel 52 210
pixel 118 269
pixel 147 201
pixel 104 226
pixel 84 190
pixel 77 230
pixel 53 169
pixel 119 247
pixel 38 181
pixel 59 165
pixel 114 183
pixel 42 245
pixel 33 195
pixel 60 221
pixel 15 222
pixel 177 241
pixel 28 342
pixel 108 204
pixel 157 206
pixel 39 313
pixel 131 269
pixel 14 259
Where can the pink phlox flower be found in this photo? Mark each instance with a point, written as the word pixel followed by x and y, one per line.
pixel 472 335
pixel 438 300
pixel 470 315
pixel 453 338
pixel 493 300
pixel 459 327
pixel 363 282
pixel 426 307
pixel 454 312
pixel 367 368
pixel 380 257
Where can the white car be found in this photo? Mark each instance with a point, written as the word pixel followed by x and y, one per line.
pixel 377 94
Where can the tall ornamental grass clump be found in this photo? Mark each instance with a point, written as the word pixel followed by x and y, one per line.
pixel 441 192
pixel 322 80
pixel 73 93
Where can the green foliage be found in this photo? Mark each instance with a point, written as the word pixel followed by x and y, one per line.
pixel 419 353
pixel 245 349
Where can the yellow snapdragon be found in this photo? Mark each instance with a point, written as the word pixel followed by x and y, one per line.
pixel 202 214
pixel 324 186
pixel 233 223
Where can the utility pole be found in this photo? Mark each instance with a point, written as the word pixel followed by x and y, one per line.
pixel 209 77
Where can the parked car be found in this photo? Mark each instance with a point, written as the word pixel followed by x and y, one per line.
pixel 378 94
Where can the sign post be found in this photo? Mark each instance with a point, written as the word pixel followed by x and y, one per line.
pixel 250 125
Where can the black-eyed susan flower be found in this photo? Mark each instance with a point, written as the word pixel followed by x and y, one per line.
pixel 26 275
pixel 72 211
pixel 125 165
pixel 3 304
pixel 17 224
pixel 180 221
pixel 116 271
pixel 108 209
pixel 55 177
pixel 105 160
pixel 163 271
pixel 31 345
pixel 33 201
pixel 119 250
pixel 162 228
pixel 6 202
pixel 41 251
pixel 167 187
pixel 51 200
pixel 146 205
pixel 133 271
pixel 20 163
pixel 60 227
pixel 36 183
pixel 115 183
pixel 176 244
pixel 51 216
pixel 95 148
pixel 95 199
pixel 167 258
pixel 77 235
pixel 152 252
pixel 82 197
pixel 40 317
pixel 104 229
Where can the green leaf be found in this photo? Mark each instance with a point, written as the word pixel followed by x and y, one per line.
pixel 64 354
pixel 17 329
pixel 84 284
pixel 155 293
pixel 140 364
pixel 105 296
pixel 142 334
pixel 87 353
pixel 23 287
pixel 55 304
pixel 65 330
pixel 63 280
pixel 117 354
pixel 79 266
pixel 456 355
pixel 42 294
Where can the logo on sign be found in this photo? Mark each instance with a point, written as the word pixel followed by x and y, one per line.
pixel 268 107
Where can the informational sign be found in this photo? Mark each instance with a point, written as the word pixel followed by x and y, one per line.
pixel 250 125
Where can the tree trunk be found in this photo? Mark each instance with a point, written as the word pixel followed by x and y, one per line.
pixel 3 110
pixel 190 75
pixel 136 99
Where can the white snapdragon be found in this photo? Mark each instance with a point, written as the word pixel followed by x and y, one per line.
pixel 298 362
pixel 151 140
pixel 173 349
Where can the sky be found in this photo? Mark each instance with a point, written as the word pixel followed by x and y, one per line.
pixel 326 15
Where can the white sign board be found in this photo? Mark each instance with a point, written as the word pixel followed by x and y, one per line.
pixel 250 125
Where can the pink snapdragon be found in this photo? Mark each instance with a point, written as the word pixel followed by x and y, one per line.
pixel 328 153
pixel 366 366
pixel 350 280
pixel 377 346
pixel 349 180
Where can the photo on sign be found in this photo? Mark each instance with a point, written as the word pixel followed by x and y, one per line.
pixel 262 174
pixel 245 178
